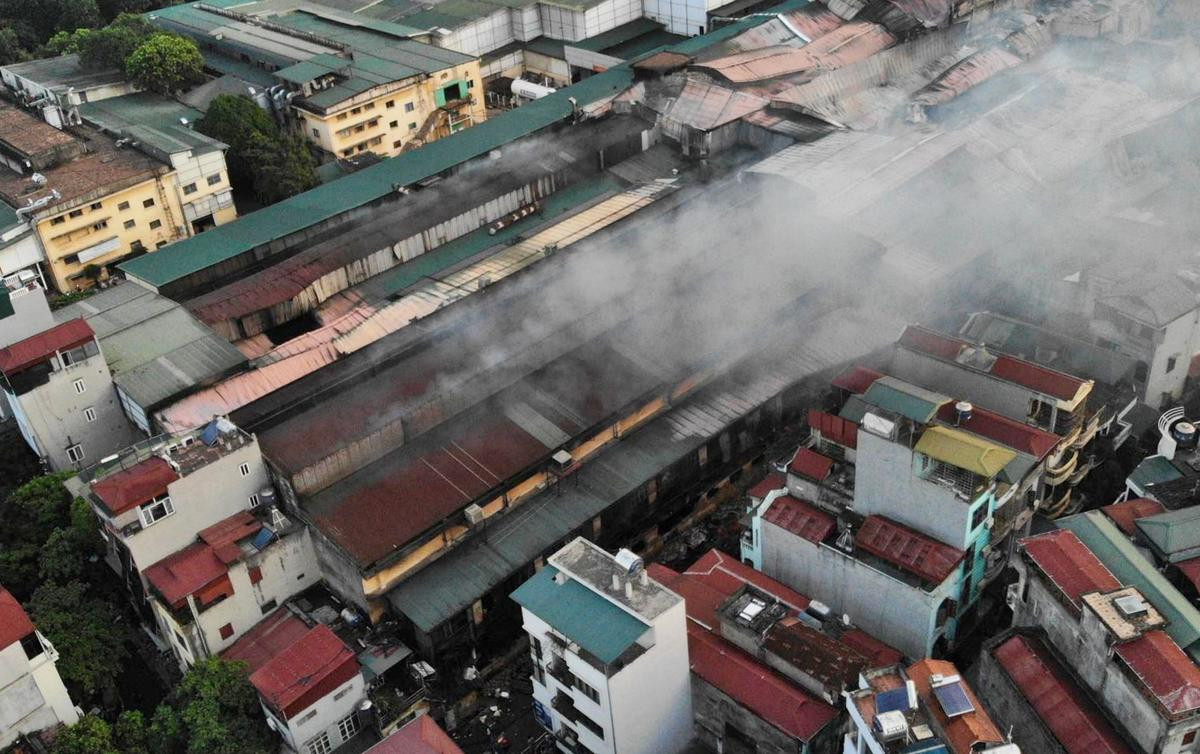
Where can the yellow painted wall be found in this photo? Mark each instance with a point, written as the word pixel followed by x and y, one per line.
pixel 383 124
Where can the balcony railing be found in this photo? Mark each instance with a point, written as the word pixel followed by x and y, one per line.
pixel 1057 474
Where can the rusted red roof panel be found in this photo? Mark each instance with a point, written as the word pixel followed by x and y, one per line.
pixel 856 379
pixel 811 464
pixel 835 429
pixel 38 348
pixel 998 428
pixel 1167 673
pixel 1069 565
pixel 908 549
pixel 800 518
pixel 1125 513
pixel 135 485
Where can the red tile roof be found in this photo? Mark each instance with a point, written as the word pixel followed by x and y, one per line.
pixel 1190 570
pixel 1123 514
pixel 293 680
pixel 14 621
pixel 963 732
pixel 37 348
pixel 856 379
pixel 421 736
pixel 275 633
pixel 1069 565
pixel 1000 429
pixel 1064 707
pixel 756 687
pixel 135 485
pixel 701 600
pixel 908 549
pixel 186 572
pixel 773 481
pixel 811 464
pixel 800 518
pixel 1026 373
pixel 1167 673
pixel 834 428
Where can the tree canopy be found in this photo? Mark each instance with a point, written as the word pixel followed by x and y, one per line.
pixel 87 632
pixel 165 63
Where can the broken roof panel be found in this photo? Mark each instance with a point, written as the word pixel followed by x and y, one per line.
pixel 840 47
pixel 1170 676
pixel 703 104
pixel 908 549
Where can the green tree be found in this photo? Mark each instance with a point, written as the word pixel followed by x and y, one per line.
pixel 19 569
pixel 165 63
pixel 11 49
pixel 165 733
pixel 91 735
pixel 86 631
pixel 235 120
pixel 111 46
pixel 49 16
pixel 35 509
pixel 130 733
pixel 66 42
pixel 282 167
pixel 220 710
pixel 59 560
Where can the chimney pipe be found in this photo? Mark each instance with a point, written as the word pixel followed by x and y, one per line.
pixel 643 579
pixel 616 583
pixel 628 590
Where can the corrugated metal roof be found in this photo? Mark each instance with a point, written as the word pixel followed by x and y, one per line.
pixel 155 349
pixel 748 682
pixel 904 398
pixel 183 573
pixel 964 451
pixel 841 46
pixel 908 549
pixel 596 624
pixel 811 464
pixel 1173 531
pixel 223 242
pixel 14 621
pixel 1114 549
pixel 856 379
pixel 1069 565
pixel 705 104
pixel 1011 433
pixel 1170 676
pixel 1154 470
pixel 1125 513
pixel 833 428
pixel 800 518
pixel 773 481
pixel 275 633
pixel 1061 704
pixel 421 736
pixel 38 348
pixel 294 679
pixel 133 486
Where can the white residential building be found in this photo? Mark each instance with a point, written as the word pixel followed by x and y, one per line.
pixel 32 696
pixel 610 650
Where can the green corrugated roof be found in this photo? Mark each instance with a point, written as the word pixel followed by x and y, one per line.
pixel 1154 470
pixel 964 451
pixel 547 46
pixel 435 19
pixel 8 217
pixel 644 43
pixel 1174 531
pixel 304 210
pixel 1115 550
pixel 618 35
pixel 140 109
pixel 316 66
pixel 595 624
pixel 907 400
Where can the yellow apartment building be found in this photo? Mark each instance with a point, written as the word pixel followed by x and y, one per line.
pixel 96 198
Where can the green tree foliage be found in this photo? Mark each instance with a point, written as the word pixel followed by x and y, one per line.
pixel 219 710
pixel 131 734
pixel 11 49
pixel 31 514
pixel 282 167
pixel 276 164
pixel 86 631
pixel 111 46
pixel 91 735
pixel 165 733
pixel 165 63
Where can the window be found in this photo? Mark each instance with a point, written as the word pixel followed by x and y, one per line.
pixel 349 726
pixel 409 107
pixel 59 220
pixel 1170 364
pixel 341 694
pixel 75 213
pixel 978 516
pixel 316 134
pixel 32 645
pixel 148 203
pixel 341 116
pixel 214 179
pixel 255 573
pixel 394 124
pixel 396 144
pixel 75 453
pixel 412 126
pixel 80 388
pixel 155 224
pixel 596 730
pixel 160 244
pixel 156 510
pixel 320 744
pixel 369 106
pixel 587 690
pixel 129 224
pixel 245 469
pixel 268 606
pixel 97 205
pixel 356 111
pixel 537 648
pixel 391 103
pixel 89 413
pixel 1189 737
pixel 253 500
pixel 100 225
pixel 189 189
pixel 123 206
pixel 137 247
